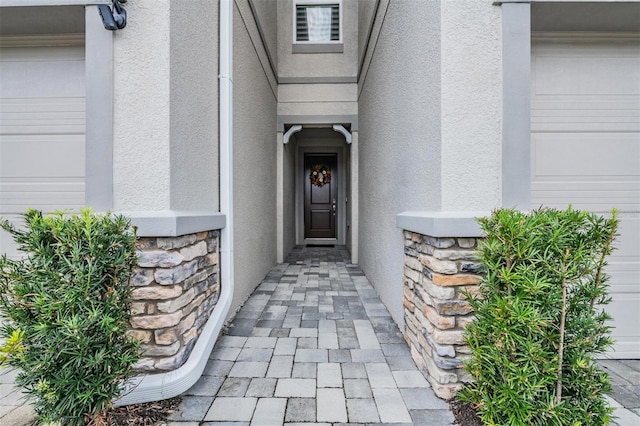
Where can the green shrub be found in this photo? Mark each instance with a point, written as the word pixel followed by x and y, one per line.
pixel 67 309
pixel 539 320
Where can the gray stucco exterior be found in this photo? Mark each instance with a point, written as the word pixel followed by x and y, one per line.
pixel 435 97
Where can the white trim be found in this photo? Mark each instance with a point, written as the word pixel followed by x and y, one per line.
pixel 282 120
pixel 11 3
pixel 353 202
pixel 340 129
pixel 516 110
pixel 225 111
pixel 315 47
pixel 442 224
pixel 318 79
pixel 279 197
pixel 99 112
pixel 292 130
pixel 173 223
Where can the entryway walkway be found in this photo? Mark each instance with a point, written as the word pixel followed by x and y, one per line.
pixel 313 345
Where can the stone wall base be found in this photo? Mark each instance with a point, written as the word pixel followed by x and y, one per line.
pixel 436 273
pixel 175 288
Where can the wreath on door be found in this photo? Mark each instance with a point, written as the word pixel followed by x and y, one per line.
pixel 320 175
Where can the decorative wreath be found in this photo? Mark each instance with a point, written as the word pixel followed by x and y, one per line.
pixel 320 175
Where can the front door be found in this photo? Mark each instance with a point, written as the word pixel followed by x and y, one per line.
pixel 320 195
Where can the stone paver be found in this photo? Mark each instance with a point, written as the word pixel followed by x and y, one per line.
pixel 313 345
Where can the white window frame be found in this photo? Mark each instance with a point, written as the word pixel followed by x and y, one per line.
pixel 325 46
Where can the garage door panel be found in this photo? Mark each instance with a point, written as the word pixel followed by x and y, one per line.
pixel 603 103
pixel 21 201
pixel 626 318
pixel 43 105
pixel 562 72
pixel 42 116
pixel 627 247
pixel 42 126
pixel 48 156
pixel 53 72
pixel 585 152
pixel 7 244
pixel 40 77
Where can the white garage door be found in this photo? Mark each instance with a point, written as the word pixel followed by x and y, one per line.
pixel 585 149
pixel 42 126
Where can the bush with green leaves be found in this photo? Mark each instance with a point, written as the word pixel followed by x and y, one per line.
pixel 66 308
pixel 539 319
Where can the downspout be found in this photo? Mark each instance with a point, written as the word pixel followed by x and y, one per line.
pixel 155 387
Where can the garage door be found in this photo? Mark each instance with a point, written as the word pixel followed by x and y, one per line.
pixel 585 150
pixel 42 140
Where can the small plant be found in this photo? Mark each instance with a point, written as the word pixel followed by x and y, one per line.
pixel 66 309
pixel 539 319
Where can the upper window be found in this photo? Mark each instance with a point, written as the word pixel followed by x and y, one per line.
pixel 318 26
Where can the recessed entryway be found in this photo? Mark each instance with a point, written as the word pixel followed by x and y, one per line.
pixel 321 187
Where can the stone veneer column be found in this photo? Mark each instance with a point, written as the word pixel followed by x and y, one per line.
pixel 436 272
pixel 175 288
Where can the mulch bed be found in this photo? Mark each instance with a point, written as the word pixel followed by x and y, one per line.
pixel 464 413
pixel 147 414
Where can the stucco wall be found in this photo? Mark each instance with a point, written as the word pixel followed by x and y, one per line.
pixel 338 67
pixel 266 12
pixel 399 140
pixel 166 107
pixel 471 78
pixel 254 174
pixel 194 105
pixel 366 14
pixel 141 137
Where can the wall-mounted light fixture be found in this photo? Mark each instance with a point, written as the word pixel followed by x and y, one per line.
pixel 115 17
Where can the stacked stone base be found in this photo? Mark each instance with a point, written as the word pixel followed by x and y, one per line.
pixel 436 272
pixel 175 288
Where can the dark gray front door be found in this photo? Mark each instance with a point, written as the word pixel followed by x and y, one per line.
pixel 320 195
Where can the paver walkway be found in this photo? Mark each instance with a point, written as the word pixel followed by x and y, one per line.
pixel 315 345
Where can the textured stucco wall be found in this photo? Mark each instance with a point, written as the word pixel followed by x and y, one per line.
pixel 399 140
pixel 194 105
pixel 471 105
pixel 267 16
pixel 141 139
pixel 339 66
pixel 366 14
pixel 166 107
pixel 254 174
